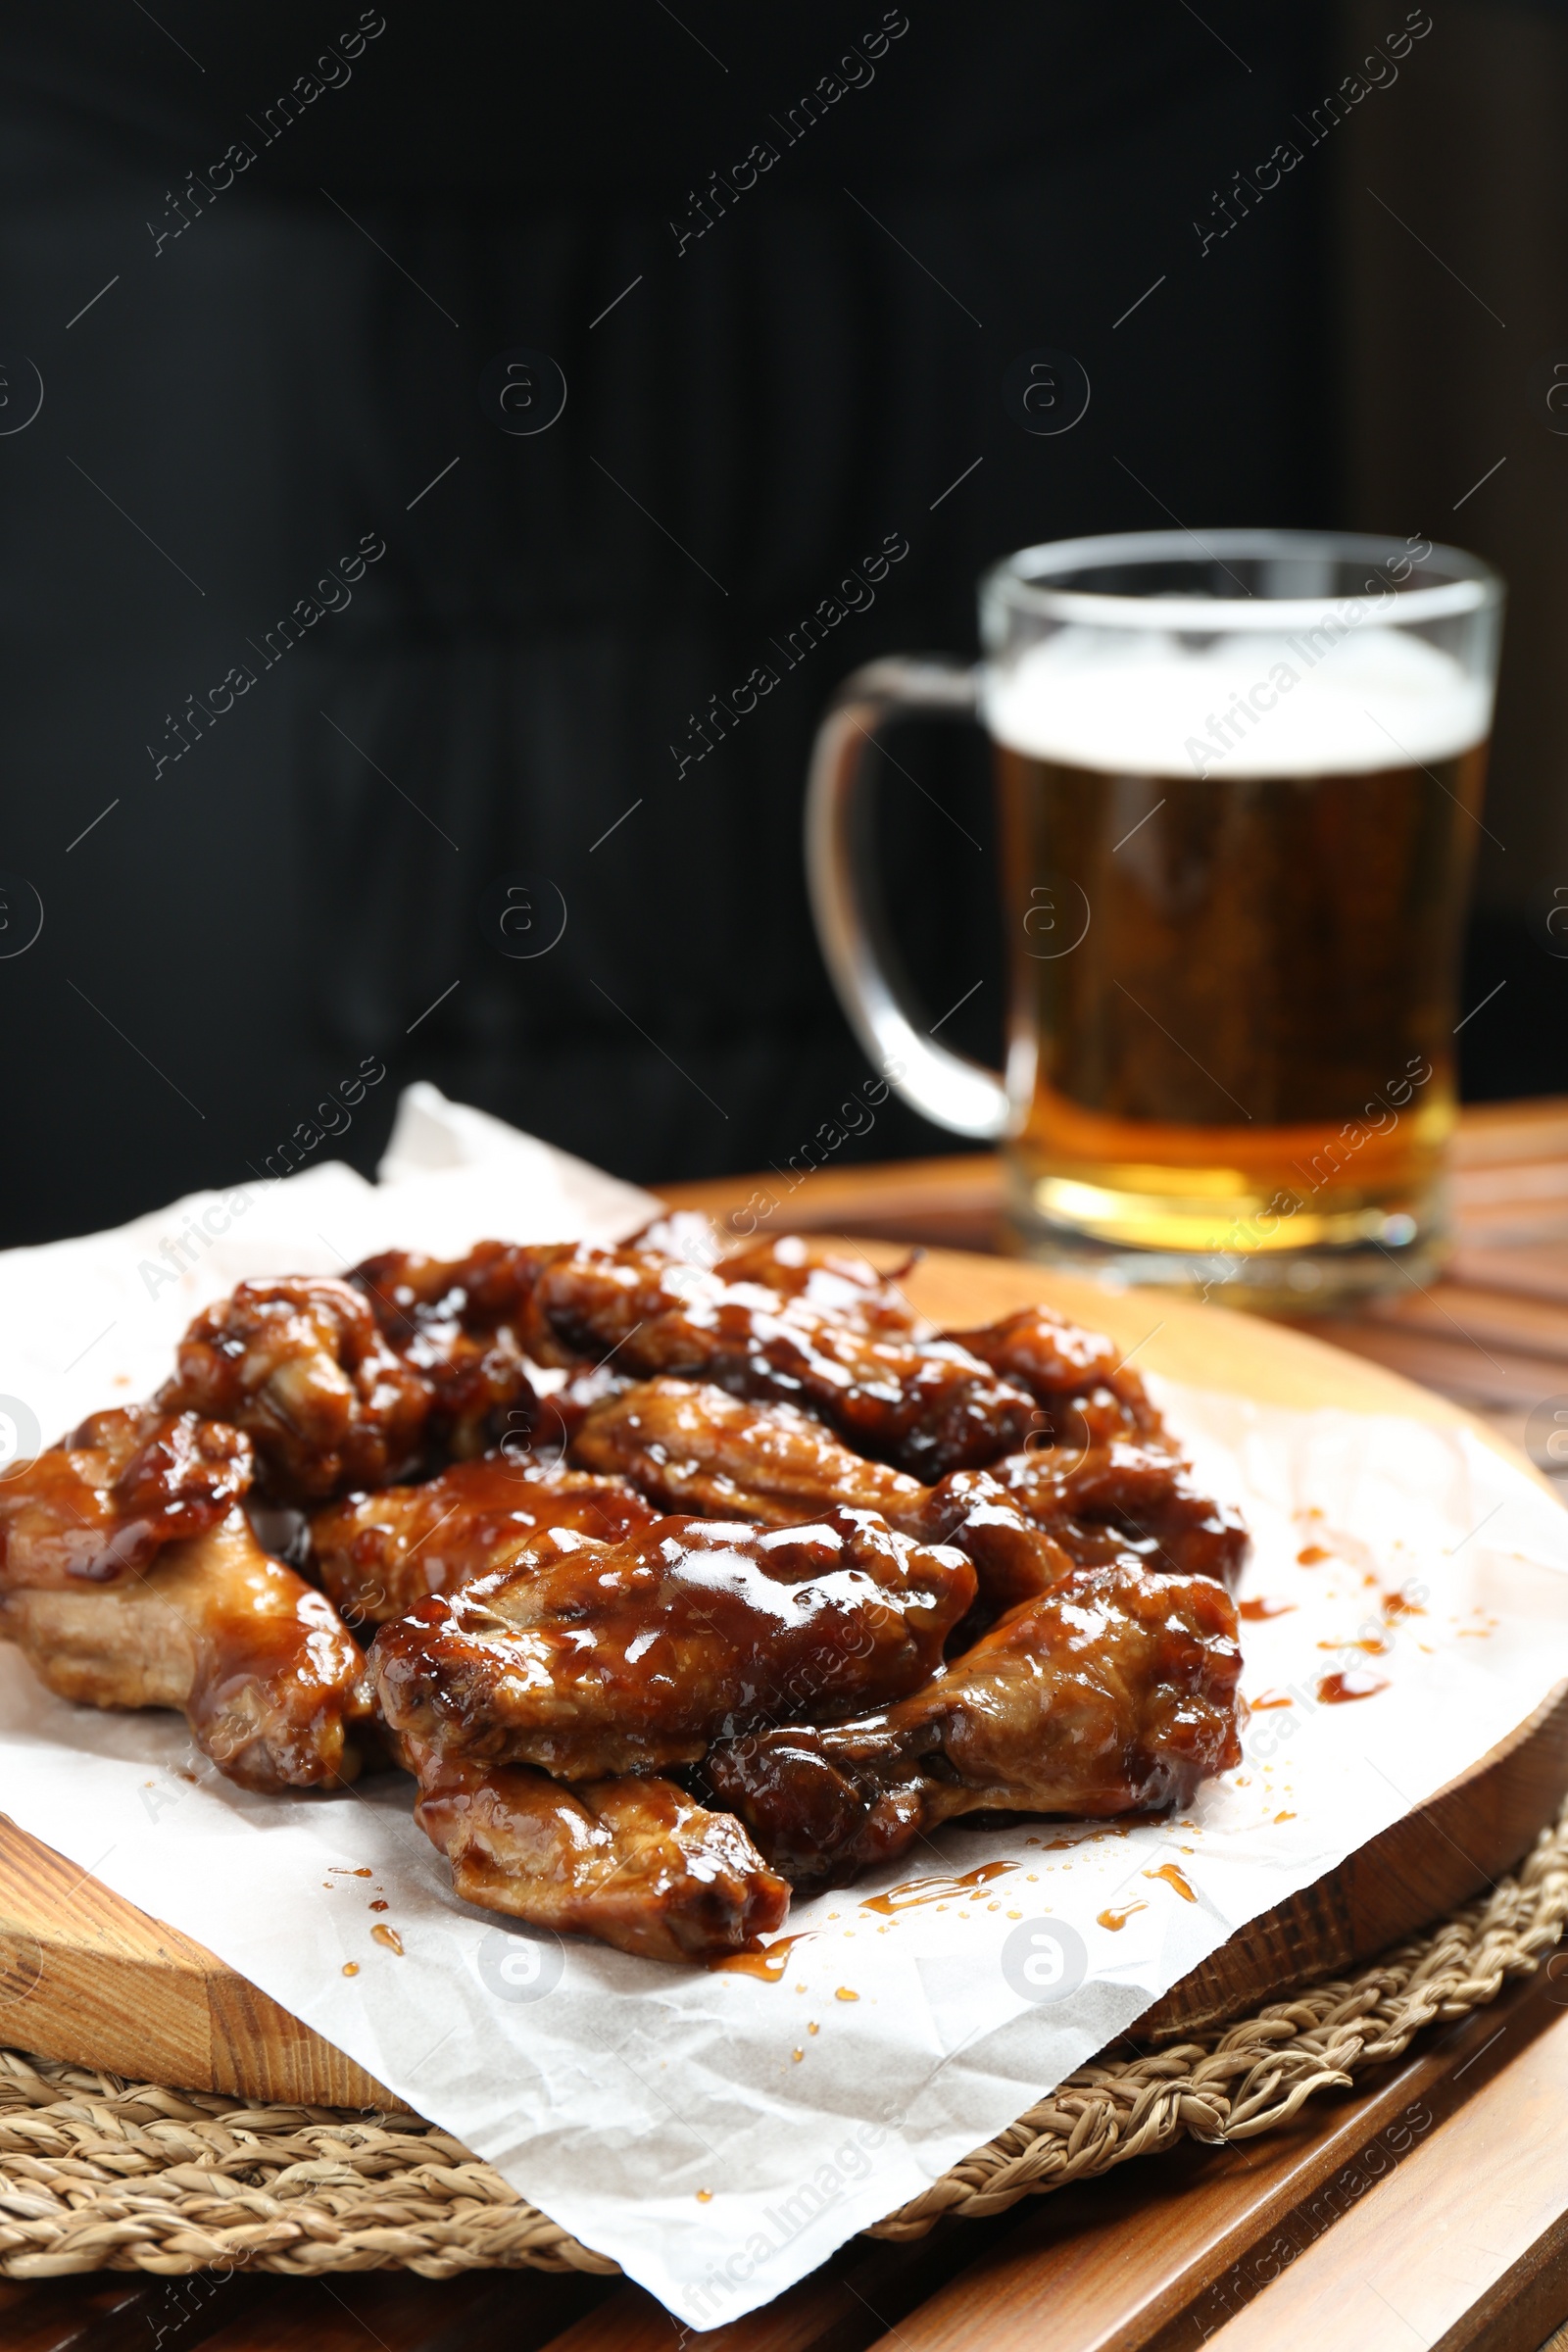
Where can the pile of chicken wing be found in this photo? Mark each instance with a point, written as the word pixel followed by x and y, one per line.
pixel 673 1585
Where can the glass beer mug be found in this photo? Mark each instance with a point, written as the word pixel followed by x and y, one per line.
pixel 1240 787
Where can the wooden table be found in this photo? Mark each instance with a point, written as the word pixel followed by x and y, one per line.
pixel 1428 2208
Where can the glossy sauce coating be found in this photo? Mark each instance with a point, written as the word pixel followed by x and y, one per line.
pixel 99 1506
pixel 1075 1375
pixel 872 1496
pixel 1129 1492
pixel 586 1659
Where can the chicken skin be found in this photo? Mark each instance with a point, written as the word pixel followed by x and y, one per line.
pixel 99 1505
pixel 634 1861
pixel 459 1337
pixel 588 1658
pixel 253 1657
pixel 379 1554
pixel 1112 1693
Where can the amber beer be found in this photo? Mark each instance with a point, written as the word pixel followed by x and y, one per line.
pixel 1240 778
pixel 1234 942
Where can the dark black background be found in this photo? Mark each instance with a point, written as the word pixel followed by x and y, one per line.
pixel 241 929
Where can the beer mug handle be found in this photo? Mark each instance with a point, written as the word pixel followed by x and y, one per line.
pixel 851 925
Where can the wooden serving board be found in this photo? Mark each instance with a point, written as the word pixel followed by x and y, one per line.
pixel 85 1976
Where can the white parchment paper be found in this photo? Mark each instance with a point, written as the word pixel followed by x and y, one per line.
pixel 717 2131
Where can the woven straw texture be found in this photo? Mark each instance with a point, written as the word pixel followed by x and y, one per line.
pixel 97 2174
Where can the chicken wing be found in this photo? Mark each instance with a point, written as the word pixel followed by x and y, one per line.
pixel 301 1366
pixel 1112 1693
pixel 587 1658
pixel 255 1659
pixel 98 1506
pixel 379 1554
pixel 1076 1376
pixel 634 1861
pixel 695 1447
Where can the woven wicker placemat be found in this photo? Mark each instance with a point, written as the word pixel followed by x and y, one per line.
pixel 97 2173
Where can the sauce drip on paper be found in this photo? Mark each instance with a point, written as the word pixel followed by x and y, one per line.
pixel 1173 1877
pixel 768 1963
pixel 1335 1689
pixel 938 1890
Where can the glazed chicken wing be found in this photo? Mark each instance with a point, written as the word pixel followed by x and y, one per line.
pixel 1112 1693
pixel 1076 1376
pixel 379 1554
pixel 634 1861
pixel 301 1366
pixel 99 1505
pixel 255 1659
pixel 695 1447
pixel 588 1658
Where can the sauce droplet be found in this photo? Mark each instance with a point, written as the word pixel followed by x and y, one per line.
pixel 1334 1689
pixel 1270 1698
pixel 845 1995
pixel 380 1903
pixel 797 2054
pixel 364 1873
pixel 704 2196
pixel 1173 1877
pixel 1262 1605
pixel 1117 1919
pixel 351 1967
pixel 1311 1553
pixel 1399 1604
pixel 813 2027
pixel 1284 1816
pixel 389 1937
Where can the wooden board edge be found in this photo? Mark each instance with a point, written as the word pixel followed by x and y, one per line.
pixel 88 1977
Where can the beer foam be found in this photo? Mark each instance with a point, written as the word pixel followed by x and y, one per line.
pixel 1334 700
